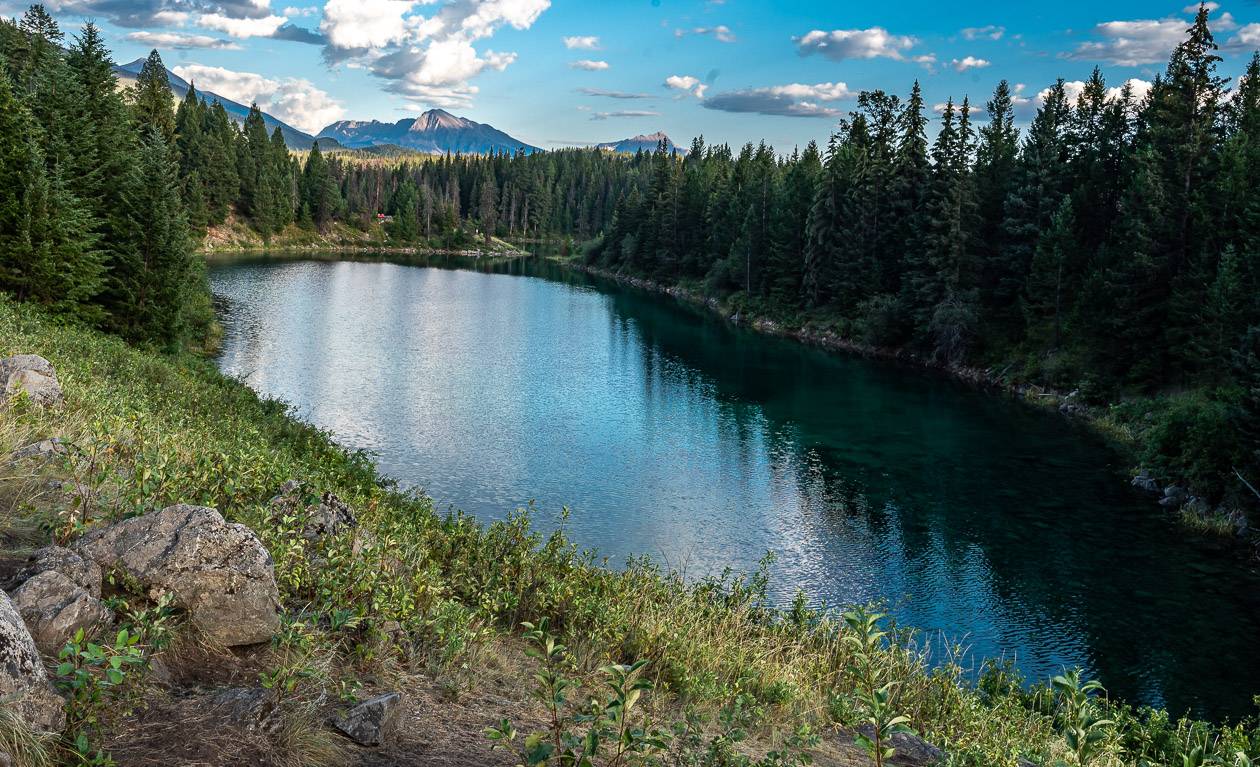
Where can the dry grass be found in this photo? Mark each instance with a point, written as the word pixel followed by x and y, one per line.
pixel 24 747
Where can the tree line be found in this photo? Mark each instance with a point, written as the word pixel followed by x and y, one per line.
pixel 1111 247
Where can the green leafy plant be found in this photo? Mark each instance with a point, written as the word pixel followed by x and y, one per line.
pixel 1085 731
pixel 92 675
pixel 874 693
pixel 605 734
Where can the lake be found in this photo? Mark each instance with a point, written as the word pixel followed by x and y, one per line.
pixel 670 433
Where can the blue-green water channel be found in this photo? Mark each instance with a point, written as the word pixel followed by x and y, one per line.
pixel 670 433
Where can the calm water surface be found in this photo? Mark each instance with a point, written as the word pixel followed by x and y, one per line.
pixel 668 432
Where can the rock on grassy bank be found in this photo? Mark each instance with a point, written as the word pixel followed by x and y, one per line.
pixel 266 597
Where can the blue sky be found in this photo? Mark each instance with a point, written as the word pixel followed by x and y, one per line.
pixel 557 72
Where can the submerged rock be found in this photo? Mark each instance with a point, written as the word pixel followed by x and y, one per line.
pixel 372 722
pixel 32 374
pixel 24 683
pixel 219 572
pixel 55 607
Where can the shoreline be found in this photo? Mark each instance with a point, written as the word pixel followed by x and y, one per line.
pixel 1247 542
pixel 216 254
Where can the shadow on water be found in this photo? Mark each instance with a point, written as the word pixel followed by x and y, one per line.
pixel 671 433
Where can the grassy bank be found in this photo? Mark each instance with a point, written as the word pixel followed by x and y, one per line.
pixel 432 606
pixel 236 237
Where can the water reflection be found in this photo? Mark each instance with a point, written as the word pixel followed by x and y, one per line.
pixel 670 433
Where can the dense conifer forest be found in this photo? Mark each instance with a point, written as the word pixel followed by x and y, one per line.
pixel 1112 247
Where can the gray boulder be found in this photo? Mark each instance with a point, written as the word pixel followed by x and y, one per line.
pixel 23 681
pixel 219 572
pixel 331 516
pixel 10 365
pixel 32 374
pixel 328 517
pixel 1197 506
pixel 43 451
pixel 1174 496
pixel 372 722
pixel 910 750
pixel 256 709
pixel 84 572
pixel 55 607
pixel 1145 482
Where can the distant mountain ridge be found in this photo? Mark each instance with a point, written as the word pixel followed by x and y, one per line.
pixel 435 131
pixel 293 138
pixel 644 142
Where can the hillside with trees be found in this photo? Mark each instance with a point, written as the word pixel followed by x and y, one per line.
pixel 1108 249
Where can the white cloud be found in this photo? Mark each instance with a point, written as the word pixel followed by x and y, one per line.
pixel 840 44
pixel 988 32
pixel 612 94
pixel 265 26
pixel 170 18
pixel 792 100
pixel 971 108
pixel 1073 89
pixel 1138 88
pixel 365 23
pixel 721 33
pixel 625 113
pixel 589 65
pixel 177 40
pixel 427 58
pixel 586 43
pixel 969 62
pixel 148 14
pixel 1133 43
pixel 1018 99
pixel 687 84
pixel 293 12
pixel 1248 36
pixel 293 100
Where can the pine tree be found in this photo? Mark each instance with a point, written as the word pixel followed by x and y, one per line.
pixel 488 210
pixel 221 174
pixel 996 159
pixel 152 99
pixel 191 145
pixel 47 251
pixel 1047 295
pixel 320 197
pixel 160 274
pixel 822 236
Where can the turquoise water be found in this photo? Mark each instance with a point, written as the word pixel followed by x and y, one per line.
pixel 667 432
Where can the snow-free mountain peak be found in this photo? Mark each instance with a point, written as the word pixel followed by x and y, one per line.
pixel 435 131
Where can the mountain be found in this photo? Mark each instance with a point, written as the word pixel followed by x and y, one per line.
pixel 646 143
pixel 435 131
pixel 293 138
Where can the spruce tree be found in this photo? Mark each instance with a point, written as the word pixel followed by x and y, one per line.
pixel 152 99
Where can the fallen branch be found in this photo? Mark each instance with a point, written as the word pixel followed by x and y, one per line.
pixel 1245 482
